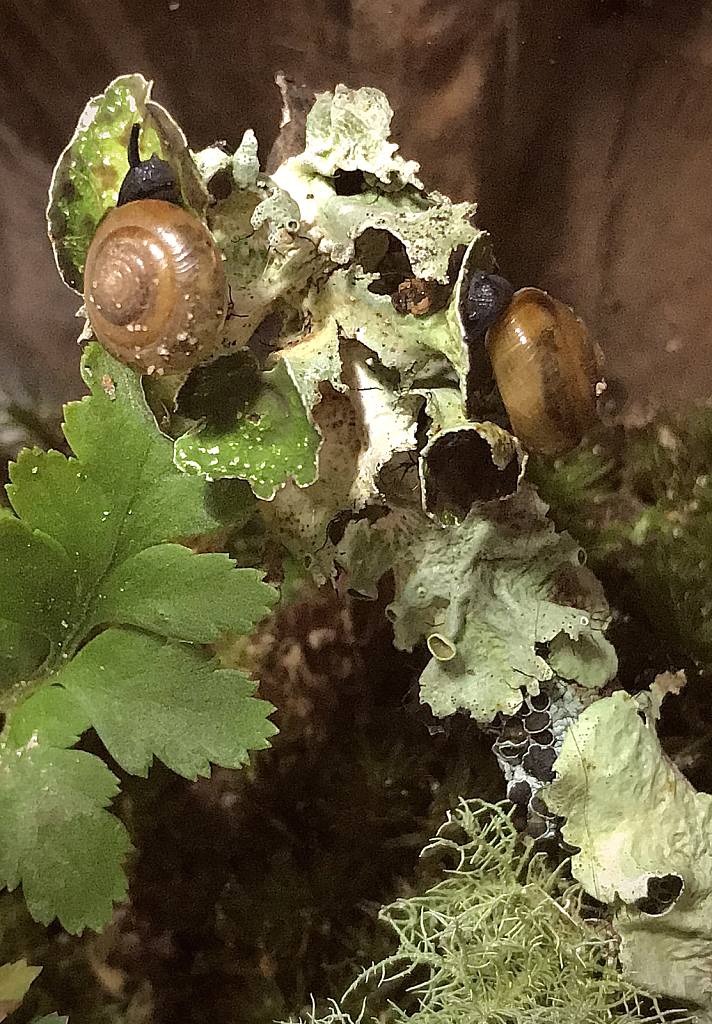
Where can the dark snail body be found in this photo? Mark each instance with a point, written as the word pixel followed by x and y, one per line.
pixel 547 369
pixel 482 304
pixel 147 179
pixel 154 284
pixel 487 297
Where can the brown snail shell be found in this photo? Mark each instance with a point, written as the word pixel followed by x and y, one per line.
pixel 547 369
pixel 154 287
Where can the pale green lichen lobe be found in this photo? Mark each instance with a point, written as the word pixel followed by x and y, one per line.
pixel 348 132
pixel 635 819
pixel 489 586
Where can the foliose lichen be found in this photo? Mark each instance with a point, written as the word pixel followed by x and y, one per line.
pixel 643 835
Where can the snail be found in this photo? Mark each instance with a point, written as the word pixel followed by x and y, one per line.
pixel 546 366
pixel 154 284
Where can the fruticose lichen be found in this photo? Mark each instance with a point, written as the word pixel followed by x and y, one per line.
pixel 499 941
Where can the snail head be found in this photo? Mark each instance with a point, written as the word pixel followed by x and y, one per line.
pixel 147 179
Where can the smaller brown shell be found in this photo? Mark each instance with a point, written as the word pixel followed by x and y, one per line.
pixel 414 296
pixel 547 369
pixel 154 287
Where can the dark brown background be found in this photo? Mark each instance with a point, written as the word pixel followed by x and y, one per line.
pixel 583 128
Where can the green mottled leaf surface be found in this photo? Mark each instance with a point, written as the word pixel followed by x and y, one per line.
pixel 89 173
pixel 272 442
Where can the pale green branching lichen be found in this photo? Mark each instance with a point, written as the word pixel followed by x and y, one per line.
pixel 498 941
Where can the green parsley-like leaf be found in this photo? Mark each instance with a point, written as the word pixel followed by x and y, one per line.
pixel 38 585
pixel 22 651
pixel 94 548
pixel 168 590
pixel 114 435
pixel 81 517
pixel 49 716
pixel 147 697
pixel 55 494
pixel 57 838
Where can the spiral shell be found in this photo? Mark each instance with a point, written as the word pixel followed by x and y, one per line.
pixel 547 369
pixel 154 287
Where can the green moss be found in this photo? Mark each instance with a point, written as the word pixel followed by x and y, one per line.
pixel 642 506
